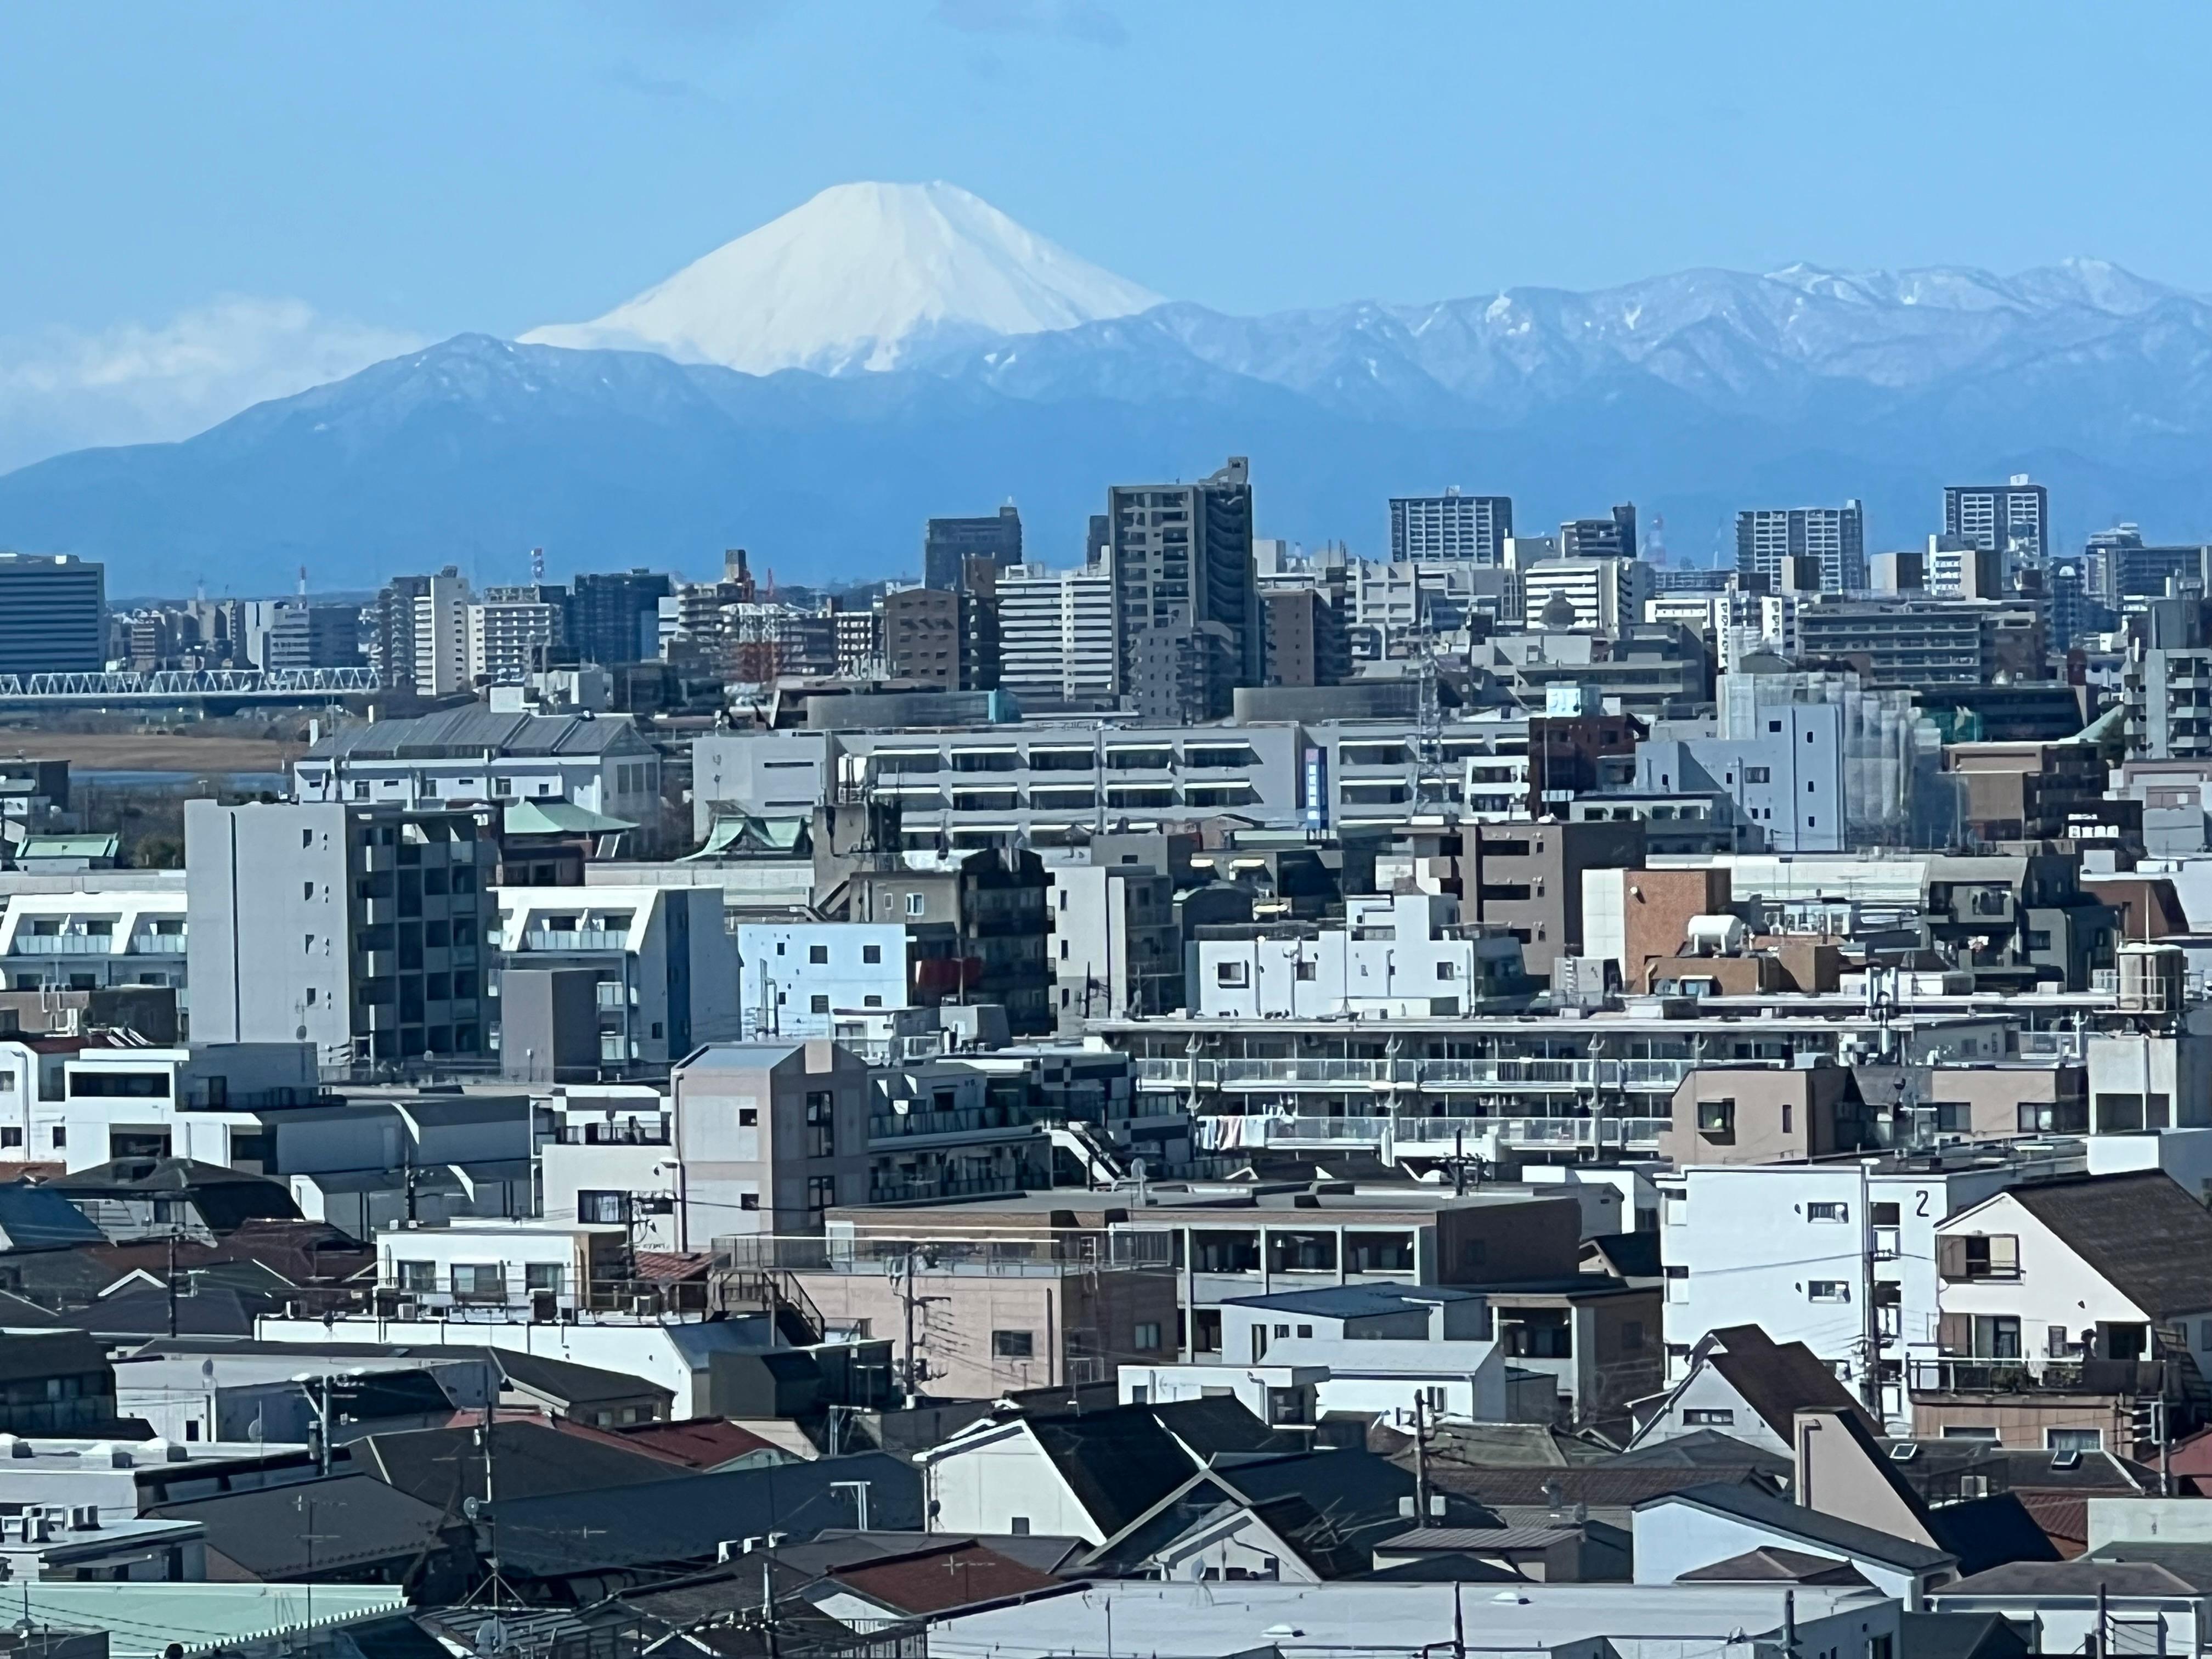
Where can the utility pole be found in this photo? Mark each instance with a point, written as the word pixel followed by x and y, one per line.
pixel 171 1282
pixel 1420 1459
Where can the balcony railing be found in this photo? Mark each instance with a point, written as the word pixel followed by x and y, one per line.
pixel 66 945
pixel 576 939
pixel 1633 1076
pixel 1976 1373
pixel 1440 1134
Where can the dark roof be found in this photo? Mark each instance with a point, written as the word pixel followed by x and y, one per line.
pixel 2140 1231
pixel 571 1385
pixel 467 732
pixel 1790 1520
pixel 37 1217
pixel 312 1528
pixel 225 1198
pixel 2023 1469
pixel 1770 1564
pixel 1445 1569
pixel 1777 1380
pixel 699 1443
pixel 1600 1486
pixel 958 1573
pixel 144 1311
pixel 1632 1255
pixel 1121 1462
pixel 836 1547
pixel 529 1460
pixel 26 1356
pixel 686 1519
pixel 1704 1448
pixel 1987 1532
pixel 2084 1576
pixel 2190 1561
pixel 1504 1445
pixel 1961 1636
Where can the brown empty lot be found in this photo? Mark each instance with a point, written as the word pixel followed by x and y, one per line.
pixel 150 751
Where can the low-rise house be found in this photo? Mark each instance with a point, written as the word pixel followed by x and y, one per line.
pixel 1685 1531
pixel 2065 1303
pixel 1744 1384
pixel 353 1527
pixel 2120 1598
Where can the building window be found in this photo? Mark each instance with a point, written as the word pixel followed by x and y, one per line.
pixel 1018 1344
pixel 914 905
pixel 1827 1290
pixel 1148 1337
pixel 1716 1117
pixel 545 1275
pixel 749 1200
pixel 821 1122
pixel 479 1281
pixel 1306 970
pixel 1631 1336
pixel 821 1192
pixel 1709 1416
pixel 872 953
pixel 1995 1257
pixel 818 1003
pixel 602 1208
pixel 817 954
pixel 1228 973
pixel 1757 775
pixel 2074 1440
pixel 11 1137
pixel 1827 1212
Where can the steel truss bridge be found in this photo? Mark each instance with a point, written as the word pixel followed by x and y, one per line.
pixel 187 685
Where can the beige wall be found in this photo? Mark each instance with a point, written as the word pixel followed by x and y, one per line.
pixel 2020 1422
pixel 1761 1096
pixel 1655 911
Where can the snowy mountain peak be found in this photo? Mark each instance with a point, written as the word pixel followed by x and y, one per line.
pixel 863 277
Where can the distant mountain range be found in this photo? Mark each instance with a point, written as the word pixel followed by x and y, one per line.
pixel 951 361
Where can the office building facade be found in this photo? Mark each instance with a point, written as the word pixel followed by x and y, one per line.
pixel 1601 538
pixel 1450 526
pixel 1835 536
pixel 1186 595
pixel 53 614
pixel 949 543
pixel 614 616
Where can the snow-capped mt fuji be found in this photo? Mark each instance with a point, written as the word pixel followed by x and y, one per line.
pixel 862 276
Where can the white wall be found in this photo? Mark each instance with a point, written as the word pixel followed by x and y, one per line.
pixel 1673 1538
pixel 984 1485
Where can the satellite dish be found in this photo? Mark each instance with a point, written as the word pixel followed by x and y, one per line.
pixel 470 1506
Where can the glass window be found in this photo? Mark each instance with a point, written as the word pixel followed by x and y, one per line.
pixel 1016 1345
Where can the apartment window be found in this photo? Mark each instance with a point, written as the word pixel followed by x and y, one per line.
pixel 872 953
pixel 1757 775
pixel 821 1122
pixel 2074 1440
pixel 1996 1257
pixel 818 1003
pixel 1148 1337
pixel 11 1137
pixel 479 1281
pixel 1709 1416
pixel 749 1200
pixel 418 1277
pixel 1716 1117
pixel 914 905
pixel 818 954
pixel 821 1191
pixel 604 1208
pixel 61 1137
pixel 1827 1212
pixel 1827 1290
pixel 1229 973
pixel 539 1276
pixel 1306 970
pixel 1019 1345
pixel 1886 1215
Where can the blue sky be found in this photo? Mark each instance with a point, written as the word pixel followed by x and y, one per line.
pixel 206 201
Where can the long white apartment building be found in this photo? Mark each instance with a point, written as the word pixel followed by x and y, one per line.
pixel 479 755
pixel 1056 638
pixel 510 629
pixel 1599 594
pixel 92 940
pixel 1059 780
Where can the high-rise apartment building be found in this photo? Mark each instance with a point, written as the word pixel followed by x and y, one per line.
pixel 512 633
pixel 1187 596
pixel 358 929
pixel 2013 518
pixel 1835 536
pixel 949 543
pixel 1308 643
pixel 304 636
pixel 1056 642
pixel 1450 526
pixel 614 616
pixel 440 635
pixel 941 637
pixel 1601 538
pixel 53 614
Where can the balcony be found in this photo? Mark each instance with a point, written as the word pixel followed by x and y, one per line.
pixel 65 945
pixel 576 939
pixel 157 945
pixel 1570 1076
pixel 1435 1136
pixel 1981 1374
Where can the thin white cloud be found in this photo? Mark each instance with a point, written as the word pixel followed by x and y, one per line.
pixel 65 389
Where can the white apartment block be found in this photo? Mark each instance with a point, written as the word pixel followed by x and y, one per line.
pixel 476 756
pixel 441 637
pixel 88 941
pixel 1601 593
pixel 795 978
pixel 1056 635
pixel 509 631
pixel 1401 955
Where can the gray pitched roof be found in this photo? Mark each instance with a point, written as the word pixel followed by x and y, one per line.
pixel 465 733
pixel 2146 1236
pixel 1830 1534
pixel 1777 1380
